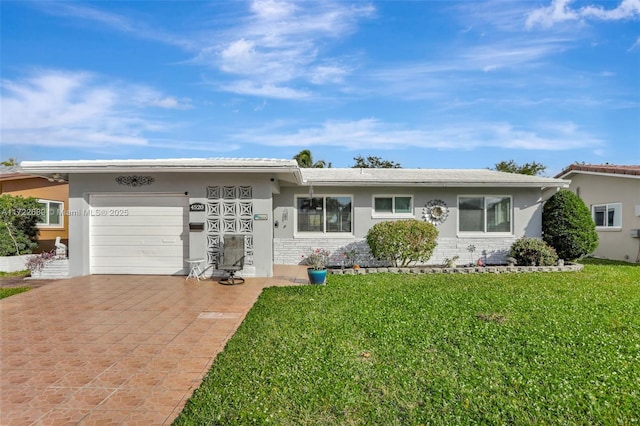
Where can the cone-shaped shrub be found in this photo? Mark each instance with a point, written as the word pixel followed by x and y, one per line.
pixel 402 242
pixel 567 226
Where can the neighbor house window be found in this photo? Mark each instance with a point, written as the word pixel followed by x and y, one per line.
pixel 484 214
pixel 607 215
pixel 390 205
pixel 51 213
pixel 324 214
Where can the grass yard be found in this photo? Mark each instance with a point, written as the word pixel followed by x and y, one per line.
pixel 6 292
pixel 555 348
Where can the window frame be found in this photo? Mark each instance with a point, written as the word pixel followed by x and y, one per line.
pixel 47 223
pixel 606 226
pixel 324 233
pixel 392 214
pixel 484 231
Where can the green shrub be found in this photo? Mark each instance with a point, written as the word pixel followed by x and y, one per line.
pixel 402 242
pixel 567 226
pixel 532 251
pixel 18 229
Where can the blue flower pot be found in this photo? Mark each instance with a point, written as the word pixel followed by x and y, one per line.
pixel 317 276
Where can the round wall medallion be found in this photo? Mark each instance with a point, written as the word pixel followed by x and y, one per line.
pixel 435 211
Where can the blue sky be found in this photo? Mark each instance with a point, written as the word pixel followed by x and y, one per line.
pixel 428 84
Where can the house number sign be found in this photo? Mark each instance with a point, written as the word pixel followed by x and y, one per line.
pixel 196 207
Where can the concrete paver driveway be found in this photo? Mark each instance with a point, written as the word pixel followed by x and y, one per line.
pixel 116 349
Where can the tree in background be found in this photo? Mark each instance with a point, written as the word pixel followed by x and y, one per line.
pixel 531 169
pixel 10 162
pixel 567 226
pixel 18 224
pixel 374 163
pixel 305 160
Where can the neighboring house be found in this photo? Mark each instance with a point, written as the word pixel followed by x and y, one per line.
pixel 150 216
pixel 53 194
pixel 612 193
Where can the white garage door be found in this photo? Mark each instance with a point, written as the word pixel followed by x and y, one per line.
pixel 141 234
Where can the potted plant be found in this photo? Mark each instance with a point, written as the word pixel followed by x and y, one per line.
pixel 317 261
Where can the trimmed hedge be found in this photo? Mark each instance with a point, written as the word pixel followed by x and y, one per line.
pixel 402 242
pixel 533 252
pixel 567 226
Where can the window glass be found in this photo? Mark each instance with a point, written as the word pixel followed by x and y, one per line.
pixel 383 205
pixel 55 213
pixel 498 214
pixel 324 214
pixel 402 204
pixel 608 215
pixel 598 215
pixel 44 208
pixel 338 214
pixel 310 214
pixel 471 214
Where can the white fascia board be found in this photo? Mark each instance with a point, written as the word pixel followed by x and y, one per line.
pixel 160 166
pixel 585 172
pixel 431 184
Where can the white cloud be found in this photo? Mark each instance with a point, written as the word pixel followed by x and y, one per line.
pixel 627 9
pixel 77 109
pixel 136 27
pixel 280 44
pixel 247 87
pixel 560 11
pixel 373 134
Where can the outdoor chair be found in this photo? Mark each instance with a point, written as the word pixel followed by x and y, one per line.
pixel 231 259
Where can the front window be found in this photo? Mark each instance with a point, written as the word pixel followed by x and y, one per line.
pixel 386 205
pixel 607 215
pixel 51 213
pixel 484 214
pixel 326 214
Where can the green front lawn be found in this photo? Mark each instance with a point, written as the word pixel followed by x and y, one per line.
pixel 554 348
pixel 6 292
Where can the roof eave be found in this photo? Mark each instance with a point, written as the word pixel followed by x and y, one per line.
pixel 451 184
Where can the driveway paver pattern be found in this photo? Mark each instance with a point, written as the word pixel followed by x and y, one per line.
pixel 117 349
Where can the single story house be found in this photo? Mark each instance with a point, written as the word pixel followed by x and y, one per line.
pixel 150 216
pixel 612 193
pixel 53 194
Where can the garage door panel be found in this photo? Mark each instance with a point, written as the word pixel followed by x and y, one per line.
pixel 134 251
pixel 142 234
pixel 141 231
pixel 138 240
pixel 144 201
pixel 140 270
pixel 126 261
pixel 129 221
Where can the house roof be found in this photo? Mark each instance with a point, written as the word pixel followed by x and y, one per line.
pixel 288 170
pixel 13 173
pixel 245 165
pixel 605 169
pixel 425 177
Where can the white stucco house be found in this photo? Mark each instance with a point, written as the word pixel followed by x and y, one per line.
pixel 151 216
pixel 612 193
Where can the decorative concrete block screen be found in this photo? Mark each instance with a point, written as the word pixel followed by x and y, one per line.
pixel 229 211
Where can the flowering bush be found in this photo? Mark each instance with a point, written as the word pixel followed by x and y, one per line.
pixel 317 259
pixel 38 261
pixel 349 258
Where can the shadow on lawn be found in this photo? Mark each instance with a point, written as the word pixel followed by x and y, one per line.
pixel 598 261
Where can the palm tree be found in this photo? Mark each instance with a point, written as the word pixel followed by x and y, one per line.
pixel 305 160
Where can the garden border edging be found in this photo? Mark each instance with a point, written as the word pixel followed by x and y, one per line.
pixel 571 267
